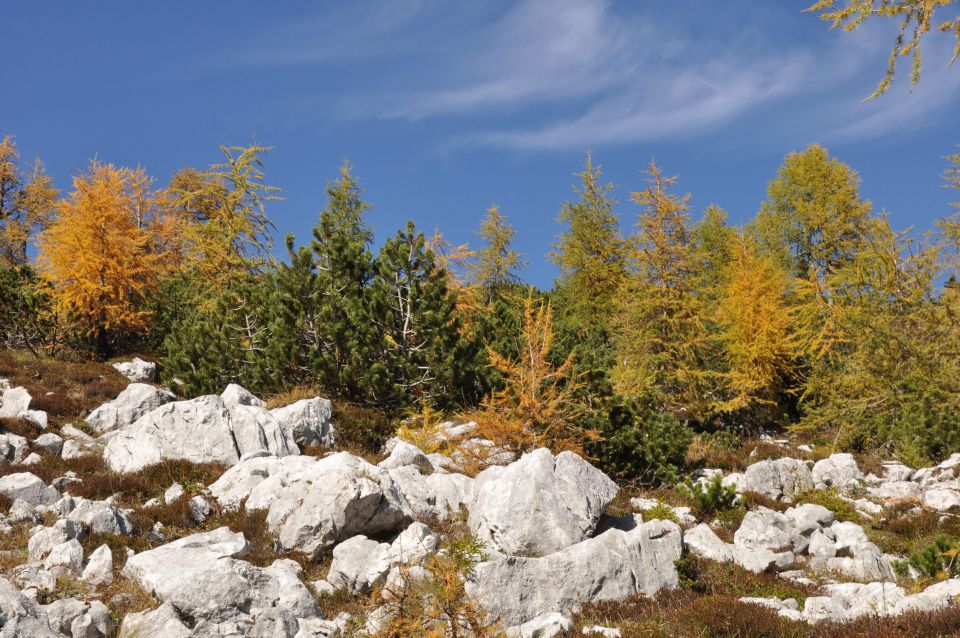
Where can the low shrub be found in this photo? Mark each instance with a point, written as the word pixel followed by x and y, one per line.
pixel 711 496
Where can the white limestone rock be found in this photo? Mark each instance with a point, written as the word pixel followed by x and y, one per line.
pixel 308 421
pixel 779 479
pixel 29 488
pixel 13 402
pixel 551 625
pixel 612 566
pixel 137 370
pixel 838 471
pixel 136 400
pixel 98 568
pixel 163 621
pixel 203 578
pixel 201 430
pixel 49 442
pixel 539 504
pixel 703 542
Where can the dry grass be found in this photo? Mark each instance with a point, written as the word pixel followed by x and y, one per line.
pixel 131 490
pixel 66 390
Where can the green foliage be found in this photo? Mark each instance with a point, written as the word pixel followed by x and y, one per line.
pixel 937 559
pixel 26 319
pixel 641 443
pixel 424 354
pixel 712 496
pixel 497 264
pixel 813 219
pixel 843 509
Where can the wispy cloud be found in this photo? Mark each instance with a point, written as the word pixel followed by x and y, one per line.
pixel 555 74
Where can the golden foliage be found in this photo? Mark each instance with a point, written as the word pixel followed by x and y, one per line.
pixel 916 18
pixel 662 341
pixel 756 329
pixel 99 252
pixel 229 231
pixel 537 406
pixel 433 602
pixel 26 201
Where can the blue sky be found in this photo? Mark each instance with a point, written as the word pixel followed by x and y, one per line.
pixel 447 107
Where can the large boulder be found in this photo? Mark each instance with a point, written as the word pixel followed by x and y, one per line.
pixel 539 504
pixel 313 504
pixel 203 578
pixel 137 370
pixel 163 621
pixel 779 479
pixel 308 421
pixel 360 564
pixel 136 400
pixel 612 566
pixel 201 430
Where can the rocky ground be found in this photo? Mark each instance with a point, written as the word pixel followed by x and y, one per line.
pixel 128 511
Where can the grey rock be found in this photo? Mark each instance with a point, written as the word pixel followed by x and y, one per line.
pixel 403 454
pixel 29 488
pixel 703 542
pixel 551 625
pixel 234 395
pixel 21 617
pixel 137 370
pixel 308 421
pixel 539 504
pixel 611 566
pixel 838 471
pixel 942 499
pixel 202 430
pixel 359 564
pixel 173 493
pixel 163 621
pixel 49 443
pixel 67 555
pixel 779 479
pixel 13 447
pixel 99 567
pixel 71 450
pixel 200 509
pixel 136 400
pixel 203 578
pixel 438 495
pixel 13 402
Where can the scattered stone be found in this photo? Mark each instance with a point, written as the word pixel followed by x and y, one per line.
pixel 173 493
pixel 235 395
pixel 703 542
pixel 838 471
pixel 13 447
pixel 137 370
pixel 71 450
pixel 551 625
pixel 28 487
pixel 49 443
pixel 779 479
pixel 200 509
pixel 99 567
pixel 13 402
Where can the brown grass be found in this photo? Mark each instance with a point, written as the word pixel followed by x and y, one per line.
pixel 66 390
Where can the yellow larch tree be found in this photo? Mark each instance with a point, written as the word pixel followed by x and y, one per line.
pixel 537 406
pixel 26 202
pixel 756 329
pixel 97 253
pixel 662 342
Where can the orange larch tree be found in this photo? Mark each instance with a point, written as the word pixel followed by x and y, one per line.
pixel 98 252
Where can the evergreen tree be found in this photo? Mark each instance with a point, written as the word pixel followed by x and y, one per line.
pixel 337 333
pixel 424 356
